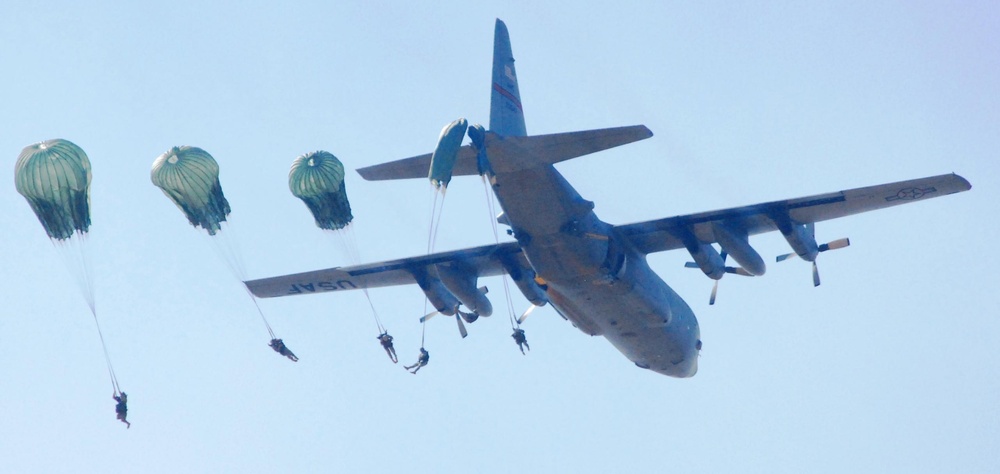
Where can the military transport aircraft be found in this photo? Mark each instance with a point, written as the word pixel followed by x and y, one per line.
pixel 593 273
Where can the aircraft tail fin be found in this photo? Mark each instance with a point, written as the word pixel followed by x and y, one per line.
pixel 508 145
pixel 506 113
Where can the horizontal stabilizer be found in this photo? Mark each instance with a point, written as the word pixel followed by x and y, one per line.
pixel 508 154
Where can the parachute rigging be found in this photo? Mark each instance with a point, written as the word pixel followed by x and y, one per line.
pixel 478 136
pixel 441 167
pixel 189 177
pixel 54 177
pixel 440 172
pixel 317 178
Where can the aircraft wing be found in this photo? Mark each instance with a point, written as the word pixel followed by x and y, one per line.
pixel 665 234
pixel 487 260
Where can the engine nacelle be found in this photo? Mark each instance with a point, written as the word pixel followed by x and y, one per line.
pixel 708 260
pixel 436 293
pixel 460 280
pixel 524 277
pixel 737 245
pixel 803 242
pixel 530 288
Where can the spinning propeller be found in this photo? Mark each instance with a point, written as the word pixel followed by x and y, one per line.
pixel 715 287
pixel 459 316
pixel 811 256
pixel 526 313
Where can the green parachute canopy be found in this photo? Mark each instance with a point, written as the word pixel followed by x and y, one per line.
pixel 189 176
pixel 446 152
pixel 54 176
pixel 478 135
pixel 317 178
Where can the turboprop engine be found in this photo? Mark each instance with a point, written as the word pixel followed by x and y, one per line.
pixel 527 283
pixel 802 239
pixel 460 280
pixel 736 243
pixel 443 300
pixel 710 261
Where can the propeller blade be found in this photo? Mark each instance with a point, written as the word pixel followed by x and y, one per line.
pixel 690 265
pixel 429 316
pixel 461 326
pixel 782 258
pixel 815 275
pixel 738 271
pixel 468 317
pixel 715 289
pixel 836 244
pixel 526 313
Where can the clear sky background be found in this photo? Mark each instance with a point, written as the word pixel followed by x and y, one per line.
pixel 891 365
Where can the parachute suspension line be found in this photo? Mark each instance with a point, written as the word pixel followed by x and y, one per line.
pixel 353 254
pixel 491 206
pixel 437 223
pixel 378 322
pixel 423 328
pixel 436 214
pixel 260 312
pixel 350 241
pixel 107 357
pixel 430 227
pixel 226 246
pixel 73 253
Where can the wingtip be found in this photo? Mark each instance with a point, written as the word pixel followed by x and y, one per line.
pixel 366 173
pixel 965 183
pixel 648 132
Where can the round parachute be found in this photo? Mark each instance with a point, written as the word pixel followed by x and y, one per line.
pixel 54 176
pixel 189 176
pixel 317 178
pixel 446 152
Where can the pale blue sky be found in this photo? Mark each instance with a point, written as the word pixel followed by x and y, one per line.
pixel 890 365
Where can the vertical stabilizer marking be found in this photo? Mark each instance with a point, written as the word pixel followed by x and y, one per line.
pixel 506 113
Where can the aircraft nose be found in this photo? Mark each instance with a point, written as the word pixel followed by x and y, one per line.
pixel 689 367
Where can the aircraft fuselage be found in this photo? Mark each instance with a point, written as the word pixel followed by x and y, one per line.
pixel 592 277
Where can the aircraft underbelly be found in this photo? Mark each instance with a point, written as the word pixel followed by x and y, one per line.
pixel 591 277
pixel 638 313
